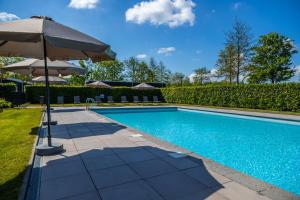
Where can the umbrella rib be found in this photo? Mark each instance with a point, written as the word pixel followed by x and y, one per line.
pixel 85 53
pixel 3 43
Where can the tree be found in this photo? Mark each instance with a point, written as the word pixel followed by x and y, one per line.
pixel 153 72
pixel 240 38
pixel 272 59
pixel 113 70
pixel 226 65
pixel 177 78
pixel 164 74
pixel 201 75
pixel 7 61
pixel 131 68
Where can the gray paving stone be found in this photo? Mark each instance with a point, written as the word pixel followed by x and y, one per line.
pixel 149 168
pixel 181 163
pixel 138 190
pixel 136 156
pixel 113 176
pixel 66 186
pixel 84 154
pixel 86 196
pixel 208 194
pixel 102 162
pixel 207 178
pixel 61 170
pixel 60 158
pixel 175 185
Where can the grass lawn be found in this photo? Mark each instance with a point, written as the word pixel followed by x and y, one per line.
pixel 18 129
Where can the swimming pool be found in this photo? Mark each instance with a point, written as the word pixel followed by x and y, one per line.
pixel 267 149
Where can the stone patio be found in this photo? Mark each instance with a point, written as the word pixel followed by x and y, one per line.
pixel 104 161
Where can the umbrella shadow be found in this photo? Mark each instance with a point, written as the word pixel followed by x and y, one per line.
pixel 143 171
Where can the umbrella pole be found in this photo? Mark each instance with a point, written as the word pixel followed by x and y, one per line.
pixel 47 93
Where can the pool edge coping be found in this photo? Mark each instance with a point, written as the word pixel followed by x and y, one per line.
pixel 260 187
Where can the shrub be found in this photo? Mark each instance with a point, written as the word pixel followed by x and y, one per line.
pixel 4 104
pixel 282 97
pixel 33 93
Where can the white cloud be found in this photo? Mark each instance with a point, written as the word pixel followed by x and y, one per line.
pixel 4 16
pixel 297 68
pixel 83 4
pixel 237 5
pixel 162 12
pixel 166 50
pixel 141 56
pixel 192 77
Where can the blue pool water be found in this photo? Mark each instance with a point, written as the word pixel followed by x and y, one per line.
pixel 263 148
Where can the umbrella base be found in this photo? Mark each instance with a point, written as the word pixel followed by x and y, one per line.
pixel 51 123
pixel 45 150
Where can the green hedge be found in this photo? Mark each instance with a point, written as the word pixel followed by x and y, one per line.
pixel 4 104
pixel 282 97
pixel 7 88
pixel 33 93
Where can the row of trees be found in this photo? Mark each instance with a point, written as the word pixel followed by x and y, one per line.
pixel 269 60
pixel 132 69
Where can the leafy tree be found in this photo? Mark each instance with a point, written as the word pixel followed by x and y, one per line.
pixel 131 68
pixel 226 64
pixel 113 70
pixel 240 38
pixel 7 61
pixel 272 59
pixel 164 73
pixel 77 80
pixel 177 78
pixel 201 75
pixel 153 72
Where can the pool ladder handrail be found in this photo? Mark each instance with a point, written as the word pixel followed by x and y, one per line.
pixel 89 103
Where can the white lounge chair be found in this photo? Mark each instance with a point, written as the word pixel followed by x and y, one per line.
pixel 60 100
pixel 98 99
pixel 110 99
pixel 124 99
pixel 145 99
pixel 136 99
pixel 77 99
pixel 155 99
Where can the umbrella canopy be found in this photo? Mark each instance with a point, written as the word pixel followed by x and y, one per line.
pixel 42 38
pixel 25 38
pixel 36 67
pixel 143 86
pixel 52 79
pixel 99 84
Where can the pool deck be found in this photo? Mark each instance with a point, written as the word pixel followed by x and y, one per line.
pixel 109 161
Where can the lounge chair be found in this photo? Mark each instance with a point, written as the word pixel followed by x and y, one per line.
pixel 145 99
pixel 42 100
pixel 77 99
pixel 155 99
pixel 136 99
pixel 98 99
pixel 124 99
pixel 110 99
pixel 60 100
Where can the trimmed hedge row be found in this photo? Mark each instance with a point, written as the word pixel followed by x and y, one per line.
pixel 282 97
pixel 33 93
pixel 7 88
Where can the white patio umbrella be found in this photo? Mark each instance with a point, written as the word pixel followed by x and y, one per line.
pixel 143 86
pixel 98 84
pixel 52 79
pixel 42 38
pixel 36 67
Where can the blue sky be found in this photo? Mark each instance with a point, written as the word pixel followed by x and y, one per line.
pixel 184 34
